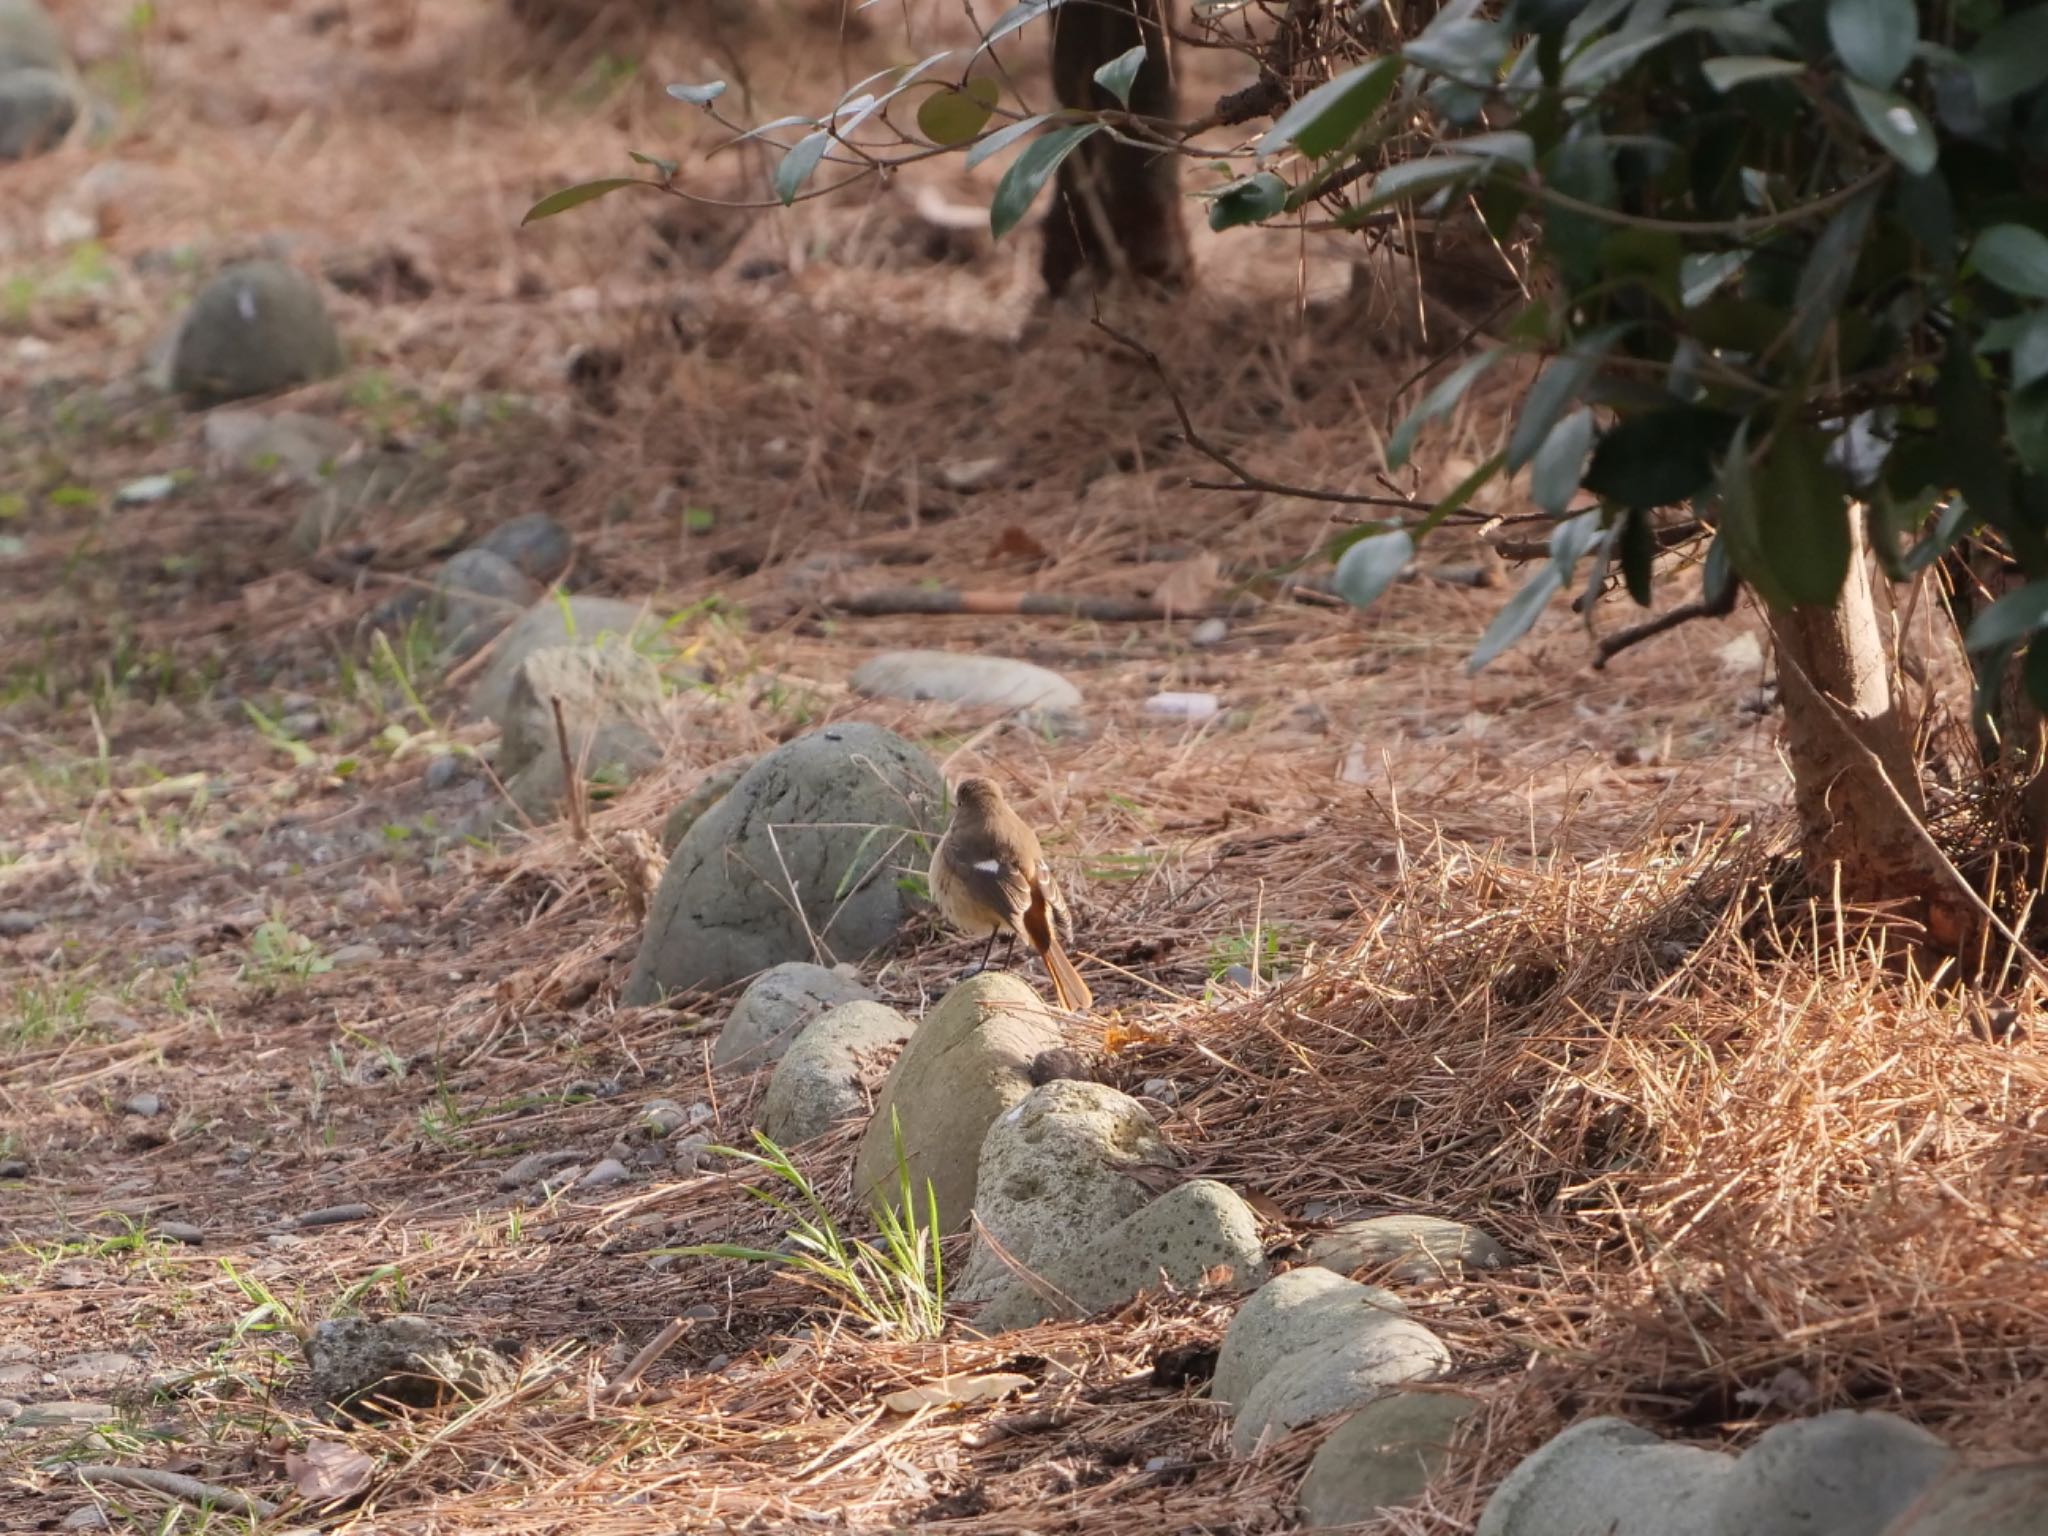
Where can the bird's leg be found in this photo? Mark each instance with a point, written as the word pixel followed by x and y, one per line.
pixel 986 950
pixel 1009 947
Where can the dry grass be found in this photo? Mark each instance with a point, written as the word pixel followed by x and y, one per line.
pixel 1539 969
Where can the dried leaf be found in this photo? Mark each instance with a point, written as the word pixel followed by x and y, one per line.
pixel 1121 1037
pixel 1015 543
pixel 328 1471
pixel 957 1391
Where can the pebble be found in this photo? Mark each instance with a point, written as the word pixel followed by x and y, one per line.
pixel 443 770
pixel 87 1517
pixel 96 1365
pixel 54 1415
pixel 1161 1090
pixel 17 922
pixel 302 723
pixel 1243 976
pixel 147 1105
pixel 178 1232
pixel 692 1153
pixel 532 1166
pixel 701 1312
pixel 1209 632
pixel 1184 706
pixel 355 954
pixel 167 956
pixel 610 1171
pixel 9 1410
pixel 13 1168
pixel 663 1116
pixel 332 1216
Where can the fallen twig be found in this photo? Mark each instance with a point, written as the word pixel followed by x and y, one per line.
pixel 659 1345
pixel 175 1485
pixel 1066 605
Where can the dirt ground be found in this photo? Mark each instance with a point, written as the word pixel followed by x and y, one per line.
pixel 1536 969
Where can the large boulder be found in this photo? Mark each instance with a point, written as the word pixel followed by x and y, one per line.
pixel 1382 1456
pixel 776 1007
pixel 1996 1501
pixel 610 697
pixel 1835 1474
pixel 708 791
pixel 798 861
pixel 968 1062
pixel 259 327
pixel 823 1078
pixel 556 621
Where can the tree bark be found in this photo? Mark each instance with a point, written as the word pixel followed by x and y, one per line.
pixel 1856 784
pixel 1117 211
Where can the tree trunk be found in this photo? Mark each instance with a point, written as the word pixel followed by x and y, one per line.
pixel 1117 212
pixel 1855 781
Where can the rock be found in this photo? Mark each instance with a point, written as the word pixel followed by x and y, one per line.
pixel 606 1172
pixel 385 480
pixel 37 109
pixel 1209 632
pixel 1054 1175
pixel 87 1517
pixel 445 769
pixel 412 1360
pixel 774 1010
pixel 178 1232
pixel 28 38
pixel 301 726
pixel 1608 1475
pixel 1311 1343
pixel 19 922
pixel 1383 1455
pixel 1836 1474
pixel 966 1064
pixel 660 1118
pixel 711 789
pixel 13 1168
pixel 609 694
pixel 975 681
pixel 801 854
pixel 533 1166
pixel 535 545
pixel 477 594
pixel 1996 1501
pixel 1411 1249
pixel 257 328
pixel 360 953
pixel 1182 1237
pixel 290 443
pixel 549 623
pixel 96 1365
pixel 1160 1090
pixel 73 1415
pixel 146 1105
pixel 819 1080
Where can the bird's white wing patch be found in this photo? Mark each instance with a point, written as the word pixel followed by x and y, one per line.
pixel 989 866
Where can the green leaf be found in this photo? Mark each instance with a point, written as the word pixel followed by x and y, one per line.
pixel 2026 423
pixel 1372 565
pixel 797 166
pixel 1806 540
pixel 1700 274
pixel 2030 351
pixel 1467 49
pixel 1638 554
pixel 1740 541
pixel 2011 619
pixel 1121 73
pixel 1015 19
pixel 1003 138
pixel 762 130
pixel 1556 391
pixel 2012 58
pixel 1248 200
pixel 668 168
pixel 1972 459
pixel 1725 74
pixel 1824 280
pixel 1897 522
pixel 576 196
pixel 1874 38
pixel 1895 123
pixel 1325 119
pixel 1660 458
pixel 949 117
pixel 1029 172
pixel 1412 178
pixel 1516 617
pixel 1439 401
pixel 2013 257
pixel 1560 461
pixel 698 95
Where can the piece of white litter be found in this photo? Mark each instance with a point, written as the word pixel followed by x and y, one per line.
pixel 1184 706
pixel 148 488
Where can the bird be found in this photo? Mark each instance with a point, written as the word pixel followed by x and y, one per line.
pixel 988 877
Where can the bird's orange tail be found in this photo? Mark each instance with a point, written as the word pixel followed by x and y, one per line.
pixel 1067 985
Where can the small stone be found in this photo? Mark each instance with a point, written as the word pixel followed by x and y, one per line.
pixel 602 700
pixel 551 622
pixel 775 1009
pixel 10 1410
pixel 96 1365
pixel 974 681
pixel 1209 632
pixel 662 1117
pixel 292 443
pixel 147 1105
pixel 1382 1456
pixel 1412 1249
pixel 1184 706
pixel 67 1415
pixel 87 1517
pixel 355 954
pixel 966 475
pixel 476 595
pixel 1160 1090
pixel 19 922
pixel 702 1312
pixel 536 545
pixel 331 1216
pixel 303 725
pixel 609 1171
pixel 819 1081
pixel 29 39
pixel 37 109
pixel 257 328
pixel 13 1168
pixel 178 1232
pixel 533 1166
pixel 1243 976
pixel 444 769
pixel 414 1361
pixel 167 957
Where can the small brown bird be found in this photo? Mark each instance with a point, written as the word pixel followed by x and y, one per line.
pixel 988 877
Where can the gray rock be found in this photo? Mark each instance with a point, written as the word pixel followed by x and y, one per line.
pixel 1054 1176
pixel 360 953
pixel 257 328
pixel 1610 1476
pixel 13 1168
pixel 800 856
pixel 74 1415
pixel 411 1360
pixel 956 678
pixel 610 695
pixel 1209 632
pixel 1996 1501
pixel 1383 1455
pixel 968 1062
pixel 28 38
pixel 1836 1474
pixel 96 1365
pixel 290 443
pixel 536 545
pixel 178 1232
pixel 303 725
pixel 660 1118
pixel 555 622
pixel 147 1105
pixel 387 480
pixel 709 791
pixel 603 1174
pixel 533 1166
pixel 18 922
pixel 1411 1249
pixel 446 769
pixel 1299 1308
pixel 477 594
pixel 37 108
pixel 818 1082
pixel 87 1517
pixel 1182 1237
pixel 1332 1374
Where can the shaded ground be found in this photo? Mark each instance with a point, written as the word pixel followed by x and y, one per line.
pixel 1525 990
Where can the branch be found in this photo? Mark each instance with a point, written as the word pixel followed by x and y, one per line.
pixel 1065 605
pixel 175 1485
pixel 1611 646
